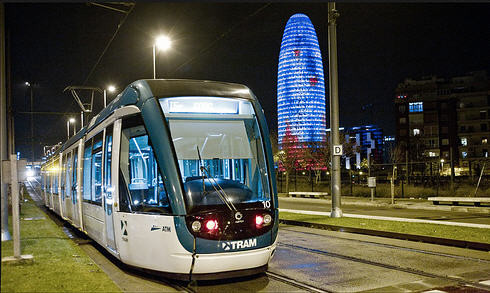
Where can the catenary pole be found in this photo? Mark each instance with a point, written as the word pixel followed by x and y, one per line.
pixel 14 187
pixel 3 126
pixel 334 109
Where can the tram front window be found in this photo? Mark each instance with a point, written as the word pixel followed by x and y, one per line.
pixel 219 150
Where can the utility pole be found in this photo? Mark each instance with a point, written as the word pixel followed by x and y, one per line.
pixel 334 109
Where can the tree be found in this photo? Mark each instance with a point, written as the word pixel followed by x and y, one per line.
pixel 317 158
pixel 289 155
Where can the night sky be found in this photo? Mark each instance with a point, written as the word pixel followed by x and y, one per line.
pixel 56 45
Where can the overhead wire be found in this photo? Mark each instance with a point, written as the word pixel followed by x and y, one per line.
pixel 223 35
pixel 109 43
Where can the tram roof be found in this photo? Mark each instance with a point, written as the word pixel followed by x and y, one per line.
pixel 141 90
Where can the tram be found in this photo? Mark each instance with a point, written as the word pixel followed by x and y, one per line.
pixel 175 177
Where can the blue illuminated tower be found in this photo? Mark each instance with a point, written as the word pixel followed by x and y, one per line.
pixel 300 83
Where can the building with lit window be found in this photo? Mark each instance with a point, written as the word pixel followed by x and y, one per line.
pixel 369 145
pixel 300 83
pixel 435 116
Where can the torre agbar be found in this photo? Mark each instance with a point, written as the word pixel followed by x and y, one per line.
pixel 300 84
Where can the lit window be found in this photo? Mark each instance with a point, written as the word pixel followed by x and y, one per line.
pixel 464 141
pixel 445 141
pixel 464 154
pixel 432 154
pixel 416 131
pixel 484 140
pixel 416 107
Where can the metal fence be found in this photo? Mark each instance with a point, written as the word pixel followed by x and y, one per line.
pixel 420 181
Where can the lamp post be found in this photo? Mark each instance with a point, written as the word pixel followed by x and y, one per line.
pixel 68 122
pixel 29 85
pixel 162 43
pixel 111 89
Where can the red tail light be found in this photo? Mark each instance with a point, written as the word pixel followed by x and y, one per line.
pixel 259 220
pixel 211 225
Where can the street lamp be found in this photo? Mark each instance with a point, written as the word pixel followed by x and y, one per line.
pixel 162 43
pixel 29 85
pixel 111 89
pixel 68 122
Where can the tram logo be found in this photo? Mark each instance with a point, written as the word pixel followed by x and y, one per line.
pixel 124 225
pixel 232 245
pixel 162 228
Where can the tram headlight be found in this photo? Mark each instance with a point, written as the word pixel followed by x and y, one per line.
pixel 267 219
pixel 196 226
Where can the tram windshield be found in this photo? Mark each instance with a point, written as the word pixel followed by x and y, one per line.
pixel 219 150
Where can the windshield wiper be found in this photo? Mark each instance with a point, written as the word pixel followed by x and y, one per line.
pixel 200 168
pixel 221 192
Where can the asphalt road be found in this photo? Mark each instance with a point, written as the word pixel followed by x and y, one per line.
pixel 318 205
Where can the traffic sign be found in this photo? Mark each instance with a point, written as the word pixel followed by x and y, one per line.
pixel 337 150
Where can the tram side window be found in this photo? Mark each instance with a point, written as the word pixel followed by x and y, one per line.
pixel 74 176
pixel 97 169
pixel 67 175
pixel 48 179
pixel 87 167
pixel 62 181
pixel 140 178
pixel 108 157
pixel 56 174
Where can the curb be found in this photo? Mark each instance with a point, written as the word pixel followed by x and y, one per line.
pixel 447 208
pixel 417 238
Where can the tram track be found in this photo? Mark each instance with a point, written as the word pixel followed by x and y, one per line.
pixel 395 235
pixel 398 247
pixel 294 283
pixel 384 265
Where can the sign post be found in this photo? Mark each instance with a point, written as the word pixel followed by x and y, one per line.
pixel 334 108
pixel 372 186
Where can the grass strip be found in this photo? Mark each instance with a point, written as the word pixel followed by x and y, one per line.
pixel 59 265
pixel 441 231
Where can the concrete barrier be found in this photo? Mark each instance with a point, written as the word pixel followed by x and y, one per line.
pixel 309 194
pixel 477 201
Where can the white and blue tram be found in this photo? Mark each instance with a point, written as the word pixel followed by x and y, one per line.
pixel 173 176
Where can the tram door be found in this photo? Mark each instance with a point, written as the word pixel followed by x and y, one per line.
pixel 108 190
